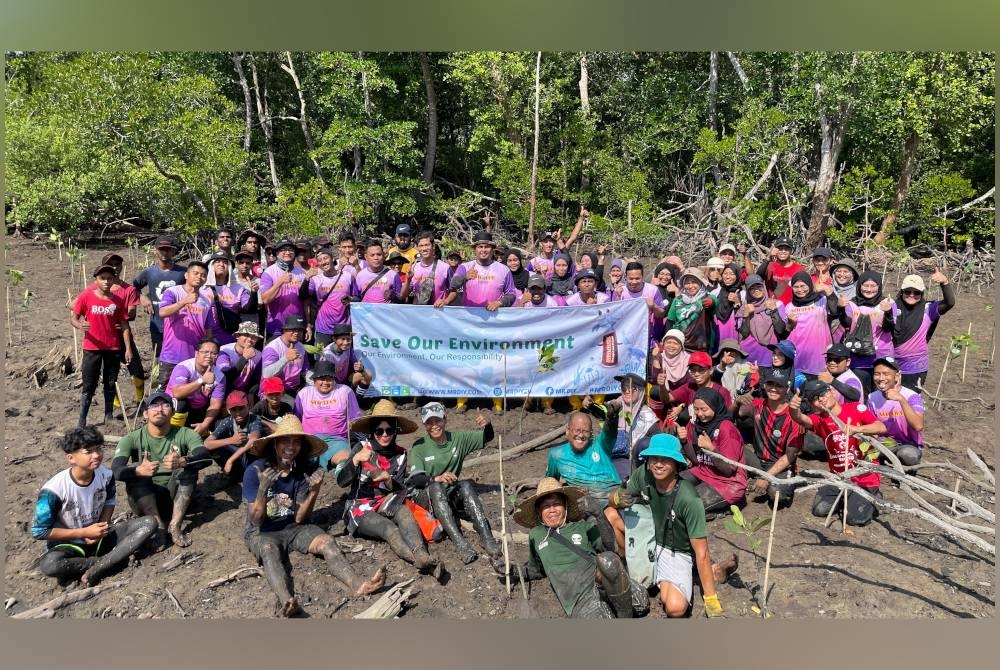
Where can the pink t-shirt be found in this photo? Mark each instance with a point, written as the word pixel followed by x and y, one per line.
pixel 548 301
pixel 656 324
pixel 327 414
pixel 287 302
pixel 329 294
pixel 436 272
pixel 185 373
pixel 811 336
pixel 492 281
pixel 540 265
pixel 227 360
pixel 291 374
pixel 182 331
pixel 374 289
pixel 913 355
pixel 891 414
pixel 234 298
pixel 575 299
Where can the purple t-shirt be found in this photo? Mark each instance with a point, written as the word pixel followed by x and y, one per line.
pixel 436 272
pixel 549 301
pixel 227 360
pixel 881 338
pixel 848 378
pixel 233 297
pixel 327 414
pixel 373 289
pixel 492 281
pixel 575 299
pixel 913 356
pixel 656 324
pixel 291 374
pixel 329 294
pixel 758 353
pixel 182 331
pixel 185 373
pixel 890 413
pixel 540 265
pixel 811 336
pixel 287 302
pixel 343 362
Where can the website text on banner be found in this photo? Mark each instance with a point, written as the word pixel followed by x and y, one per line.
pixel 417 350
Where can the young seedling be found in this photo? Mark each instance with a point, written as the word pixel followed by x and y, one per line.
pixel 547 360
pixel 13 277
pixel 56 239
pixel 749 529
pixel 958 344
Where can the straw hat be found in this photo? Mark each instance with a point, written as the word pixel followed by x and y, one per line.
pixel 384 409
pixel 526 513
pixel 289 426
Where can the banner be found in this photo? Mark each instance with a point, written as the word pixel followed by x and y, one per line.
pixel 419 350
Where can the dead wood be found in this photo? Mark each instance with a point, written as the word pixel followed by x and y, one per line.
pixel 48 610
pixel 390 604
pixel 245 571
pixel 530 445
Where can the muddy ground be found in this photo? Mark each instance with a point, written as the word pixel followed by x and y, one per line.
pixel 897 567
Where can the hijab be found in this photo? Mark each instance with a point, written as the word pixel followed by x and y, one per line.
pixel 724 308
pixel 689 309
pixel 522 276
pixel 713 399
pixel 862 301
pixel 598 270
pixel 664 294
pixel 761 326
pixel 560 285
pixel 851 289
pixel 813 294
pixel 676 367
pixel 909 320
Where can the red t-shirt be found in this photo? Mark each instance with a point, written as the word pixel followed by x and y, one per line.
pixel 103 317
pixel 127 292
pixel 843 457
pixel 729 443
pixel 685 394
pixel 775 274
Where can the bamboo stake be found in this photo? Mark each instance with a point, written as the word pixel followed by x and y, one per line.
pixel 10 332
pixel 83 273
pixel 76 346
pixel 767 561
pixel 965 356
pixel 121 401
pixel 847 434
pixel 503 489
pixel 944 369
pixel 833 508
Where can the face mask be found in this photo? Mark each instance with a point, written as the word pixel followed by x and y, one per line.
pixel 283 266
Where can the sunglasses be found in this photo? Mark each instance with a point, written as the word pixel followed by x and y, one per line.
pixel 836 359
pixel 911 291
pixel 381 432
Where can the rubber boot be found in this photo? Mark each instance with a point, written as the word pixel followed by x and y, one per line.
pixel 461 405
pixel 498 406
pixel 399 547
pixel 179 419
pixel 85 401
pixel 140 388
pixel 599 398
pixel 444 513
pixel 547 407
pixel 410 531
pixel 576 403
pixel 110 402
pixel 477 514
pixel 616 584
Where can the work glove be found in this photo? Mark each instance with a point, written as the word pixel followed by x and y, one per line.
pixel 713 608
pixel 620 498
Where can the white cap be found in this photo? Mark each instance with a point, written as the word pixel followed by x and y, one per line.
pixel 676 334
pixel 431 410
pixel 727 247
pixel 715 262
pixel 913 281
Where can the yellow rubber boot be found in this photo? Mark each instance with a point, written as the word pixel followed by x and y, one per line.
pixel 547 407
pixel 116 404
pixel 498 405
pixel 576 403
pixel 179 419
pixel 599 398
pixel 460 406
pixel 140 388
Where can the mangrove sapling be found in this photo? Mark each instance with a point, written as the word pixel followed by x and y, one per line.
pixel 547 360
pixel 740 525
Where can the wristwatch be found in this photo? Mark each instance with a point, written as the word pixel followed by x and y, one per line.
pixel 201 380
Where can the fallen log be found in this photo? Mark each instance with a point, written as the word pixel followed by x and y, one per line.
pixel 48 610
pixel 540 441
pixel 390 604
pixel 516 536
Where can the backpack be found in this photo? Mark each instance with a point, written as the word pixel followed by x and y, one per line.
pixel 860 340
pixel 640 543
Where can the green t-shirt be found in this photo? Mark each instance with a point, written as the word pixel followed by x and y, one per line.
pixel 428 456
pixel 571 576
pixel 140 442
pixel 682 504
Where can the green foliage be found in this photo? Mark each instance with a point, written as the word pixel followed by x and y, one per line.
pixel 960 343
pixel 547 358
pixel 741 525
pixel 13 276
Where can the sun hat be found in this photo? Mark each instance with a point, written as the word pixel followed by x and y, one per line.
pixel 248 328
pixel 272 385
pixel 732 345
pixel 526 513
pixel 285 243
pixel 913 281
pixel 715 262
pixel 396 257
pixel 632 378
pixel 665 445
pixel 290 426
pixel 294 323
pixel 384 409
pixel 343 329
pixel 675 334
pixel 432 410
pixel 692 272
pixel 586 273
pixel 324 368
pixel 483 237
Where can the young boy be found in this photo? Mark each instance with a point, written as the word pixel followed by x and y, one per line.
pixel 233 436
pixel 273 405
pixel 73 515
pixel 103 318
pixel 347 366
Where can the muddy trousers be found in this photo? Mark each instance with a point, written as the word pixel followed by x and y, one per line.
pixel 95 560
pixel 462 494
pixel 272 549
pixel 714 503
pixel 95 365
pixel 615 596
pixel 402 534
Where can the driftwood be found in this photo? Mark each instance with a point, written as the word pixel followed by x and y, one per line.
pixel 58 359
pixel 235 576
pixel 974 457
pixel 22 459
pixel 390 604
pixel 176 603
pixel 540 441
pixel 48 610
pixel 183 558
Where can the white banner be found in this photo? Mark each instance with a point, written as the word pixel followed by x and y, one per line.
pixel 417 350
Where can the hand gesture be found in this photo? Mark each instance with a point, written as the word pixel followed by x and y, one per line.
pixel 472 273
pixel 771 304
pixel 892 393
pixel 649 303
pixel 734 297
pixel 885 305
pixel 446 478
pixel 707 302
pixel 682 433
pixel 292 355
pixel 842 301
pixel 208 379
pixel 172 460
pixel 741 248
pixel 583 212
pixel 601 249
pixel 661 379
pixel 147 467
pixel 825 376
pixel 190 298
pixel 363 455
pixel 380 475
pixel 95 532
pixel 826 289
pixel 315 480
pixel 249 353
pixel 254 284
pixel 267 478
pixel 620 289
pixel 796 401
pixel 747 310
pixel 705 442
pixel 481 419
pixel 284 278
pixel 791 320
pixel 939 276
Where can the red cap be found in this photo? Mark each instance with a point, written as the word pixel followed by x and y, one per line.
pixel 700 358
pixel 237 399
pixel 272 385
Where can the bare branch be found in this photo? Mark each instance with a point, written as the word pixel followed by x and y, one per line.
pixel 739 70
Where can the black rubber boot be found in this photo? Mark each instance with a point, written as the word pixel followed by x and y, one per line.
pixel 446 515
pixel 85 401
pixel 477 514
pixel 395 540
pixel 616 584
pixel 62 567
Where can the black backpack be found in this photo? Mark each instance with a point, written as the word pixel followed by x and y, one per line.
pixel 860 340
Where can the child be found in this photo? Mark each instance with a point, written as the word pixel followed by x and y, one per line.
pixel 346 364
pixel 273 406
pixel 233 436
pixel 73 514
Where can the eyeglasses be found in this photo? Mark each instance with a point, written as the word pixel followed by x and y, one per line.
pixel 213 354
pixel 161 407
pixel 911 291
pixel 382 432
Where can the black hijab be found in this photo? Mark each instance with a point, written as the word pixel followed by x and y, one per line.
pixel 664 294
pixel 813 295
pixel 713 399
pixel 909 319
pixel 522 276
pixel 561 285
pixel 862 301
pixel 724 308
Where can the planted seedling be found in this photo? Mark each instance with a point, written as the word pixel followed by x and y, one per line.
pixel 740 525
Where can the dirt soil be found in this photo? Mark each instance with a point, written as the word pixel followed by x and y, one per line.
pixel 897 567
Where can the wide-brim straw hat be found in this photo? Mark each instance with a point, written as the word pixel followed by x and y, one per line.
pixel 526 513
pixel 289 426
pixel 384 409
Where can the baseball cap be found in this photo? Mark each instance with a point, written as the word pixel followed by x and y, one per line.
pixel 110 257
pixel 105 268
pixel 454 254
pixel 294 323
pixel 631 378
pixel 430 411
pixel 813 389
pixel 778 376
pixel 786 347
pixel 727 247
pixel 887 361
pixel 244 254
pixel 285 243
pixel 715 262
pixel 342 329
pixel 536 281
pixel 165 242
pixel 237 399
pixel 700 358
pixel 586 273
pixel 156 396
pixel 838 350
pixel 825 252
pixel 913 282
pixel 784 242
pixel 547 235
pixel 403 229
pixel 753 280
pixel 221 256
pixel 272 385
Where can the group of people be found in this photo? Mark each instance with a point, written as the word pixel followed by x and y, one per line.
pixel 757 364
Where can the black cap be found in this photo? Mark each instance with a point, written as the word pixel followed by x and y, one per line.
pixel 784 242
pixel 635 379
pixel 586 273
pixel 403 229
pixel 396 257
pixel 294 323
pixel 454 254
pixel 110 257
pixel 324 368
pixel 813 389
pixel 825 252
pixel 105 268
pixel 536 281
pixel 155 396
pixel 887 361
pixel 778 376
pixel 285 243
pixel 483 236
pixel 243 254
pixel 839 350
pixel 342 329
pixel 547 235
pixel 165 242
pixel 221 256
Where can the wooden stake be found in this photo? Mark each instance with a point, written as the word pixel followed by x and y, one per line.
pixel 833 508
pixel 76 347
pixel 965 357
pixel 83 273
pixel 767 561
pixel 503 490
pixel 843 524
pixel 954 503
pixel 944 369
pixel 10 332
pixel 121 401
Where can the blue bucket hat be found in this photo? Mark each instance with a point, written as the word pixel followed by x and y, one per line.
pixel 786 347
pixel 665 446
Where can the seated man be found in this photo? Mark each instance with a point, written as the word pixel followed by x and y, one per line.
pixel 285 356
pixel 843 448
pixel 198 387
pixel 233 436
pixel 73 515
pixel 589 580
pixel 681 542
pixel 900 409
pixel 440 456
pixel 161 484
pixel 777 438
pixel 280 490
pixel 838 374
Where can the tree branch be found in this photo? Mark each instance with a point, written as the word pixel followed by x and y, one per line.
pixel 739 70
